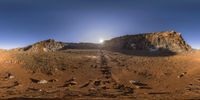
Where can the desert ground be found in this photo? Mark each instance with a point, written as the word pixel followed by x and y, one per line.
pixel 98 74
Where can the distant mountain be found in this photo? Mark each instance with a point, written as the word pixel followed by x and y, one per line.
pixel 81 46
pixel 158 41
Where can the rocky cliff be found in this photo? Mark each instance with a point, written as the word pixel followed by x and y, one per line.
pixel 158 41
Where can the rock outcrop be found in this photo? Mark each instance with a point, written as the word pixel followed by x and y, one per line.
pixel 46 46
pixel 51 45
pixel 158 41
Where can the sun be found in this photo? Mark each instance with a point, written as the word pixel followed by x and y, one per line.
pixel 101 40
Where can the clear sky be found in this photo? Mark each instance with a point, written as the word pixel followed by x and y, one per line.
pixel 24 22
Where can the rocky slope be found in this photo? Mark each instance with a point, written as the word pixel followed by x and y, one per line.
pixel 51 45
pixel 46 45
pixel 158 41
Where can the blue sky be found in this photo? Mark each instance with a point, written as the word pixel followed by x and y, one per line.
pixel 23 22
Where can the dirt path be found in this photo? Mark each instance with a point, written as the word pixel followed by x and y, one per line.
pixel 110 85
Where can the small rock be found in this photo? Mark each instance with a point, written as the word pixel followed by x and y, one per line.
pixel 182 74
pixel 8 75
pixel 53 80
pixel 11 77
pixel 39 81
pixel 42 82
pixel 34 80
pixel 34 89
pixel 97 82
pixel 73 83
pixel 40 90
pixel 70 82
pixel 86 84
pixel 139 87
pixel 134 81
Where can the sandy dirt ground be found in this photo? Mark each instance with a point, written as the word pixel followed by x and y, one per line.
pixel 98 75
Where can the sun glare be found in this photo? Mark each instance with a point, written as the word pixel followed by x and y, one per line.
pixel 101 40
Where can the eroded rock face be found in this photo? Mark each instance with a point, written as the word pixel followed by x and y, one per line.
pixel 165 41
pixel 52 45
pixel 46 46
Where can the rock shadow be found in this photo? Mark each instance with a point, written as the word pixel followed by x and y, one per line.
pixel 140 45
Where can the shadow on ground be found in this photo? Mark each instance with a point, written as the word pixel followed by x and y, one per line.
pixel 163 53
pixel 143 45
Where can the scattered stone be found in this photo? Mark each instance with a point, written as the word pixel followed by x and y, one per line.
pixel 119 86
pixel 128 90
pixel 53 80
pixel 138 83
pixel 97 82
pixel 42 82
pixel 11 77
pixel 142 87
pixel 188 89
pixel 38 81
pixel 34 80
pixel 182 74
pixel 73 83
pixel 34 89
pixel 134 81
pixel 8 75
pixel 86 84
pixel 70 82
pixel 122 88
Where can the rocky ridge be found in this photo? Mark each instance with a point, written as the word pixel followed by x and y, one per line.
pixel 46 46
pixel 158 41
pixel 151 42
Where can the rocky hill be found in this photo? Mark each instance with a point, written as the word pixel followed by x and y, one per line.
pixel 46 46
pixel 51 45
pixel 158 41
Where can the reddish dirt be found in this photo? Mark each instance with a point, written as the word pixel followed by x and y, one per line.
pixel 98 74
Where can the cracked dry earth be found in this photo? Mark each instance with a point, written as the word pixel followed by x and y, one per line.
pixel 98 74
